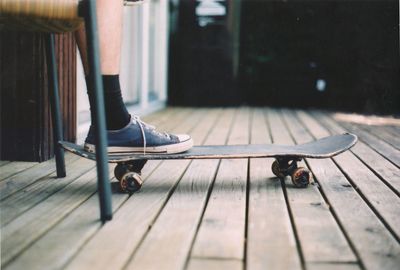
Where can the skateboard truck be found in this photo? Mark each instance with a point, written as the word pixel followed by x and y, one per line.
pixel 284 166
pixel 129 175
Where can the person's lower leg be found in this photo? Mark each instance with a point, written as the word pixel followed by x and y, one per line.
pixel 109 16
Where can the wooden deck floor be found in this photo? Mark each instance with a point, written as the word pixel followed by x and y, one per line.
pixel 212 214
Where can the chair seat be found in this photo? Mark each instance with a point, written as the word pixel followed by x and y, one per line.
pixel 41 15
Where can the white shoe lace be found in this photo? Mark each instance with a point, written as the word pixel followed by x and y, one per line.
pixel 143 125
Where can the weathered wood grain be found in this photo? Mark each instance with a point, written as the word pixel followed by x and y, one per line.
pixel 374 244
pixel 66 238
pixel 161 116
pixel 320 236
pixel 222 230
pixel 385 149
pixel 176 122
pixel 11 168
pixel 4 162
pixel 214 264
pixel 375 162
pixel 21 201
pixel 376 193
pixel 270 238
pixel 383 200
pixel 29 176
pixel 394 130
pixel 185 207
pixel 333 266
pixel 56 247
pixel 27 228
pixel 182 219
pixel 135 217
pixel 383 133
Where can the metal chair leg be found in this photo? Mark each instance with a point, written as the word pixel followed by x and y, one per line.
pixel 104 185
pixel 55 106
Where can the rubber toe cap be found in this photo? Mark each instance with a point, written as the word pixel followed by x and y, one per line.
pixel 184 137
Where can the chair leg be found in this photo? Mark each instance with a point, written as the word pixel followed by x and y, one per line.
pixel 104 185
pixel 55 106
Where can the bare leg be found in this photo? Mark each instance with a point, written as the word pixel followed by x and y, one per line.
pixel 109 17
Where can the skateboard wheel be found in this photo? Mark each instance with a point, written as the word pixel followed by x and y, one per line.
pixel 131 182
pixel 301 177
pixel 276 169
pixel 120 170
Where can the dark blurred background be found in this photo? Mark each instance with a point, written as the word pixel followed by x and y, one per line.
pixel 331 54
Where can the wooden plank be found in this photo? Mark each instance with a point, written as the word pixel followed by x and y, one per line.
pixel 29 176
pixel 385 202
pixel 162 117
pixel 333 266
pixel 185 207
pixel 319 235
pixel 130 222
pixel 382 133
pixel 4 162
pixel 270 238
pixel 216 264
pixel 67 237
pixel 186 121
pixel 15 167
pixel 385 149
pixel 381 197
pixel 394 130
pixel 173 120
pixel 222 230
pixel 177 124
pixel 375 246
pixel 135 217
pixel 17 235
pixel 157 115
pixel 19 202
pixel 212 129
pixel 61 243
pixel 64 240
pixel 381 166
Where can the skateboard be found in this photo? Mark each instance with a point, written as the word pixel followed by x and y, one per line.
pixel 129 165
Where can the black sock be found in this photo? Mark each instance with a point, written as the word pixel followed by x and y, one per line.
pixel 117 115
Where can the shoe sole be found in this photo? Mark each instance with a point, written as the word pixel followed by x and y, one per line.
pixel 163 149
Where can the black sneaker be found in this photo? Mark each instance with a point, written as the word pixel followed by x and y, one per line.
pixel 139 137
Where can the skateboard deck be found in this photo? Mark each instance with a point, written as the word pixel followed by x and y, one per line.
pixel 286 156
pixel 322 148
